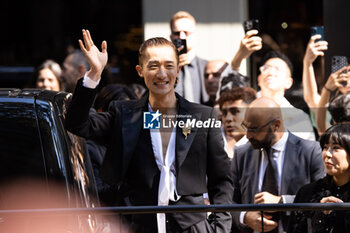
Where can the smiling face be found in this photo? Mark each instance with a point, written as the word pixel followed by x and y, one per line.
pixel 47 80
pixel 335 159
pixel 275 76
pixel 159 69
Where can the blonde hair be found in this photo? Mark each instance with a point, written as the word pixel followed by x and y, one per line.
pixel 181 15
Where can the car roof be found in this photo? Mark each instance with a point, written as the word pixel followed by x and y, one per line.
pixel 30 93
pixel 44 95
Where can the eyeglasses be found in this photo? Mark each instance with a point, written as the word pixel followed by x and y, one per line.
pixel 267 67
pixel 233 111
pixel 256 129
pixel 178 33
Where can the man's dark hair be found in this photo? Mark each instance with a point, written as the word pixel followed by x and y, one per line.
pixel 247 94
pixel 280 55
pixel 232 80
pixel 155 42
pixel 339 108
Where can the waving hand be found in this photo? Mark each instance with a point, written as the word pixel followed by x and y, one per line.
pixel 96 59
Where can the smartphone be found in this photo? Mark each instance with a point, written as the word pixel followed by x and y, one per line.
pixel 339 62
pixel 317 30
pixel 181 42
pixel 251 24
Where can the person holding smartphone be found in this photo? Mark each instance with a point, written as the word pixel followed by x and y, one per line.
pixel 314 49
pixel 249 44
pixel 191 77
pixel 334 84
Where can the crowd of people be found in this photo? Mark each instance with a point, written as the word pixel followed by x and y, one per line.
pixel 265 152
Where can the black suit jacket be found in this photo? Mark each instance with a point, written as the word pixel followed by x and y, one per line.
pixel 302 165
pixel 199 156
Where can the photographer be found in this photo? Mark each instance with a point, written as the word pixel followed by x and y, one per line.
pixel 191 78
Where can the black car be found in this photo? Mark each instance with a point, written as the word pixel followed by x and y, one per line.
pixel 41 164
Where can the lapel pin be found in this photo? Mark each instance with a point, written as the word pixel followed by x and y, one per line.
pixel 186 130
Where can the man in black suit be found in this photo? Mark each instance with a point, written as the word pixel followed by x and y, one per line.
pixel 271 167
pixel 155 166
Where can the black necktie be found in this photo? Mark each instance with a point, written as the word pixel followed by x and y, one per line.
pixel 270 178
pixel 270 182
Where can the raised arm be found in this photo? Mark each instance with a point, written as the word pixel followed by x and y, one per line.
pixel 313 50
pixel 79 120
pixel 249 44
pixel 332 84
pixel 96 59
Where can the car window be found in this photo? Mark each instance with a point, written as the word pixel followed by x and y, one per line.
pixel 20 151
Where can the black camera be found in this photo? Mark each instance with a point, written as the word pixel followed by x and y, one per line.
pixel 180 42
pixel 251 24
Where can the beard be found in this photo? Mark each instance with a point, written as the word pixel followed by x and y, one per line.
pixel 265 142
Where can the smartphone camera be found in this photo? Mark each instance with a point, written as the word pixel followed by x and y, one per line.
pixel 251 24
pixel 317 30
pixel 338 62
pixel 180 42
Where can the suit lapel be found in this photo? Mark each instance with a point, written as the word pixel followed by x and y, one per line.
pixel 183 144
pixel 132 124
pixel 255 166
pixel 289 162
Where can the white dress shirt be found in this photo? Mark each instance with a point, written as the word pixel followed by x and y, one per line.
pixel 167 182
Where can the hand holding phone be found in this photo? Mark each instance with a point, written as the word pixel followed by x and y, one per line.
pixel 251 24
pixel 317 30
pixel 180 43
pixel 338 62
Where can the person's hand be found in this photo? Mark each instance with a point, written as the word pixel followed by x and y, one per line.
pixel 330 199
pixel 314 49
pixel 96 59
pixel 184 60
pixel 266 198
pixel 335 79
pixel 253 220
pixel 250 43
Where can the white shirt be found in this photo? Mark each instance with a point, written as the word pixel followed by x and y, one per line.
pixel 89 83
pixel 167 182
pixel 240 142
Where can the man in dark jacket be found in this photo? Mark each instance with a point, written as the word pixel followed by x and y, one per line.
pixel 149 163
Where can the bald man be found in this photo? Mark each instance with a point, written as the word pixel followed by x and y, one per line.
pixel 295 162
pixel 212 73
